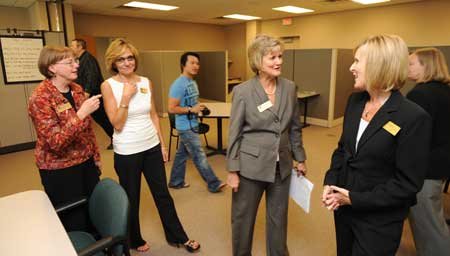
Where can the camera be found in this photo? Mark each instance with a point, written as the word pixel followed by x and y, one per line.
pixel 206 111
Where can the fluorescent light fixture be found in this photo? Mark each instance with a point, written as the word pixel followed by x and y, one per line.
pixel 144 5
pixel 241 17
pixel 370 1
pixel 292 9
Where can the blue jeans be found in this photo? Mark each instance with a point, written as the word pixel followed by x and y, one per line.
pixel 190 146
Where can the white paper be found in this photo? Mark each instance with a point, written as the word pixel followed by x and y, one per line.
pixel 300 191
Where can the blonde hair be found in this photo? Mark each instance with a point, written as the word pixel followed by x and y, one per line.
pixel 117 48
pixel 387 62
pixel 435 67
pixel 51 55
pixel 261 45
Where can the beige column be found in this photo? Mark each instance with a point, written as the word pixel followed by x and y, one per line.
pixel 253 28
pixel 70 27
pixel 37 14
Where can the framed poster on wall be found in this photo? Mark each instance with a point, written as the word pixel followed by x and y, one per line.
pixel 19 57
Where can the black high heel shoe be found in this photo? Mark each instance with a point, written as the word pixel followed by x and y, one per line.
pixel 189 245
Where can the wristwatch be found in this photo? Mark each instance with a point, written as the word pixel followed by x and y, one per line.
pixel 189 110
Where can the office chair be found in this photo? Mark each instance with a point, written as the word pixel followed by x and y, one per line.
pixel 446 185
pixel 108 211
pixel 172 132
pixel 202 129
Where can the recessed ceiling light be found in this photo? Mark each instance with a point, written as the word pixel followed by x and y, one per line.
pixel 370 1
pixel 151 6
pixel 292 9
pixel 241 17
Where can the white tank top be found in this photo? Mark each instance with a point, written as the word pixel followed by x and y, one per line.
pixel 138 133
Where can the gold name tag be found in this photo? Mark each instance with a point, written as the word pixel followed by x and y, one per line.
pixel 391 128
pixel 62 107
pixel 143 90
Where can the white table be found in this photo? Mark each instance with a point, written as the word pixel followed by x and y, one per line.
pixel 219 111
pixel 29 226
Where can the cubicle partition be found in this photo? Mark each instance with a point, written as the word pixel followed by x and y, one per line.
pixel 17 131
pixel 324 71
pixel 163 67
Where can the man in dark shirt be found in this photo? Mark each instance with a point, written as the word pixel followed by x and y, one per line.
pixel 90 78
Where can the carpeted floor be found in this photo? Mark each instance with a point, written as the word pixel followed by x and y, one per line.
pixel 206 216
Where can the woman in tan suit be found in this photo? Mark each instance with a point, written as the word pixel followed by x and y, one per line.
pixel 264 138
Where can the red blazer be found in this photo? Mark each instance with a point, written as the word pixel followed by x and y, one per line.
pixel 63 140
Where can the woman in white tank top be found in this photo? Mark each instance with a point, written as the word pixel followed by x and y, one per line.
pixel 138 143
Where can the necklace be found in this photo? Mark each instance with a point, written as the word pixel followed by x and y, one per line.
pixel 273 91
pixel 369 108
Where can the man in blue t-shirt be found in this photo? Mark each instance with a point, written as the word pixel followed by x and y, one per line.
pixel 183 101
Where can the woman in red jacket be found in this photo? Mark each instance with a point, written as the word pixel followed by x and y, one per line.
pixel 66 150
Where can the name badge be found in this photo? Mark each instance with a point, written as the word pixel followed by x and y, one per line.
pixel 265 106
pixel 391 128
pixel 143 90
pixel 62 107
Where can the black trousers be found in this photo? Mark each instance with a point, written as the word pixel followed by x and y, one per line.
pixel 151 164
pixel 368 233
pixel 101 119
pixel 68 184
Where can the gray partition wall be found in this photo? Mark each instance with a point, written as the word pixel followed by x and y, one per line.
pixel 325 71
pixel 17 131
pixel 212 79
pixel 312 72
pixel 344 81
pixel 287 68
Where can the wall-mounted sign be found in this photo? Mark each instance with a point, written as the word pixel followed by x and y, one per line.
pixel 19 57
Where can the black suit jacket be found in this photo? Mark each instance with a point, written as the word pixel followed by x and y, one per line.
pixel 434 97
pixel 89 74
pixel 387 170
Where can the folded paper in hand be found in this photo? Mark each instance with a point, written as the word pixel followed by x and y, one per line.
pixel 300 191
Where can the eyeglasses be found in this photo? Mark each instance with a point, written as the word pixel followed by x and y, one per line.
pixel 71 62
pixel 122 60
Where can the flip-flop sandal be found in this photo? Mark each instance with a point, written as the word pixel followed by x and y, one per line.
pixel 143 248
pixel 191 246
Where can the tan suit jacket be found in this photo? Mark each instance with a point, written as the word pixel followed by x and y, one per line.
pixel 256 137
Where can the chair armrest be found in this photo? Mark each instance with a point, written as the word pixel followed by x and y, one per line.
pixel 104 243
pixel 70 205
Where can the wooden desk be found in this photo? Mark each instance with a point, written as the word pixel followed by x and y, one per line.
pixel 219 110
pixel 303 96
pixel 29 226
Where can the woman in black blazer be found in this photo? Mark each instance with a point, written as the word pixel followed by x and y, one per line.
pixel 428 69
pixel 381 158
